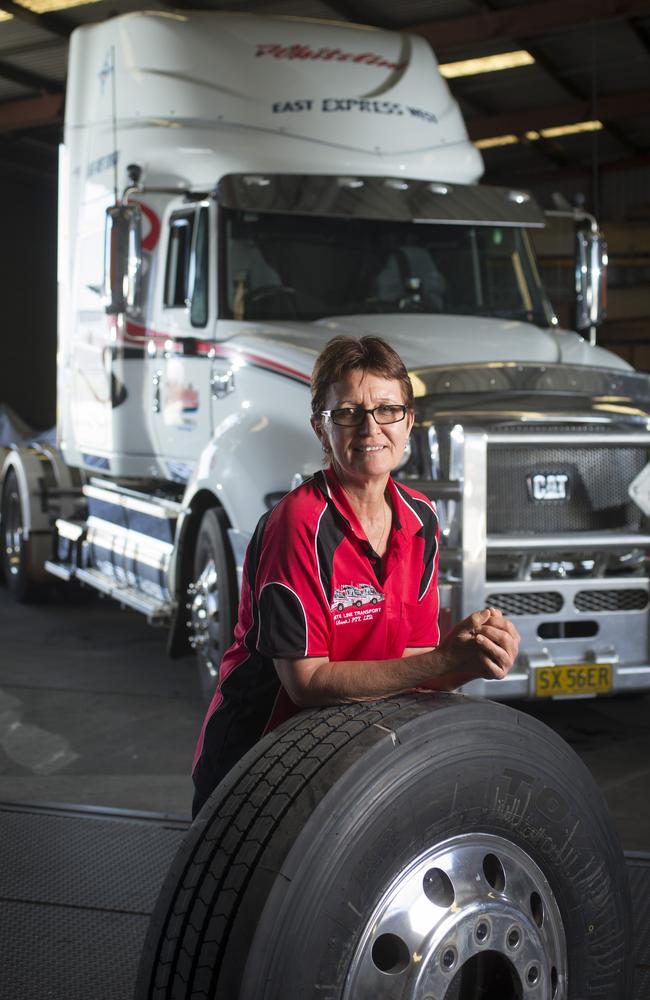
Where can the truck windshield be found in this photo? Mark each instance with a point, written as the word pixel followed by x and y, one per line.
pixel 296 267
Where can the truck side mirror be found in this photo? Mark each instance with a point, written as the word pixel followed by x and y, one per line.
pixel 591 281
pixel 123 260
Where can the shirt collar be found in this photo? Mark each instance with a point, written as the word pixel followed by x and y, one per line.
pixel 404 516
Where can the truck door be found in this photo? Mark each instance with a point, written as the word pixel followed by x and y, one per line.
pixel 179 369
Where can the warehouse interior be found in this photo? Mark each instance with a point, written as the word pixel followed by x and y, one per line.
pixel 97 725
pixel 556 96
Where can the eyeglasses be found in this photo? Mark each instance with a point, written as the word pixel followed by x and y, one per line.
pixel 354 416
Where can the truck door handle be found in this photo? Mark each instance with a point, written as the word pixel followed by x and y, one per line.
pixel 157 378
pixel 222 382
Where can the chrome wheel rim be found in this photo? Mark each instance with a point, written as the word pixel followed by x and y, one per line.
pixel 204 619
pixel 13 532
pixel 472 916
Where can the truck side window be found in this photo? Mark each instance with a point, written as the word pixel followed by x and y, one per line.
pixel 199 308
pixel 178 259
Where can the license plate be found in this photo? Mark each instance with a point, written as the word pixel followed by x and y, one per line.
pixel 574 678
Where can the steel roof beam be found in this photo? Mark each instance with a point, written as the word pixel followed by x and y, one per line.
pixel 27 79
pixel 31 112
pixel 357 12
pixel 533 177
pixel 525 21
pixel 54 24
pixel 635 102
pixel 543 147
pixel 642 34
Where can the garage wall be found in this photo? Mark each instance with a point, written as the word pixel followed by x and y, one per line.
pixel 28 283
pixel 624 218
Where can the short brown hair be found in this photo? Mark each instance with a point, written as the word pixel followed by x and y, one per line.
pixel 346 354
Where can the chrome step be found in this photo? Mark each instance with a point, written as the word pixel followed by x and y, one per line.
pixel 58 569
pixel 70 530
pixel 157 612
pixel 111 493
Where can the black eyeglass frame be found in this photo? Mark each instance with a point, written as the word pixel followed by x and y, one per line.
pixel 363 412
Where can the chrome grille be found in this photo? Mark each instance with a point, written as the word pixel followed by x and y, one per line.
pixel 598 478
pixel 611 600
pixel 540 603
pixel 524 427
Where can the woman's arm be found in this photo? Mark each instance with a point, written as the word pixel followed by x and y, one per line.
pixel 483 645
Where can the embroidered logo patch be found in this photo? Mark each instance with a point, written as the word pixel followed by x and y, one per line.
pixel 355 595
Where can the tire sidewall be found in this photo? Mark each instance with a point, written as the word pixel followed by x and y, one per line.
pixel 387 811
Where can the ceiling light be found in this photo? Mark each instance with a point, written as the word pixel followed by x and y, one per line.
pixel 47 6
pixel 496 140
pixel 543 133
pixel 553 133
pixel 486 64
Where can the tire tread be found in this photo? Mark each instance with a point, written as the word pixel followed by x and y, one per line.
pixel 251 805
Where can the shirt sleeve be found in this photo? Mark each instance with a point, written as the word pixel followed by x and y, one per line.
pixel 425 630
pixel 294 620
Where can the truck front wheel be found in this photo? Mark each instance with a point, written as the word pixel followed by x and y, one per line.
pixel 212 599
pixel 15 547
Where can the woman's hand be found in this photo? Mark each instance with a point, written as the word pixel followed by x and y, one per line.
pixel 483 645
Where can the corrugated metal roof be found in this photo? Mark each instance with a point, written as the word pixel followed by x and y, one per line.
pixel 308 8
pixel 502 91
pixel 50 62
pixel 12 91
pixel 416 11
pixel 91 13
pixel 16 33
pixel 611 55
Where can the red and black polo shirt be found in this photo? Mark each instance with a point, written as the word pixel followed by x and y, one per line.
pixel 313 586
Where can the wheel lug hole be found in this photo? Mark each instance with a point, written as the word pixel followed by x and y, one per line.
pixel 448 958
pixel 482 931
pixel 513 938
pixel 532 976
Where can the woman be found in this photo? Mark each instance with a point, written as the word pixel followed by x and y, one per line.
pixel 339 598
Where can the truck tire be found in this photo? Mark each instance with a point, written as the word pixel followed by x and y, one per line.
pixel 16 550
pixel 212 599
pixel 429 846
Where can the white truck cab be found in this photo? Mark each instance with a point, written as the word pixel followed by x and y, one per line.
pixel 236 190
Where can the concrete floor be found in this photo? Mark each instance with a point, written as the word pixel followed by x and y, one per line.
pixel 93 712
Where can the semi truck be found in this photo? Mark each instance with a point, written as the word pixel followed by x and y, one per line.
pixel 236 190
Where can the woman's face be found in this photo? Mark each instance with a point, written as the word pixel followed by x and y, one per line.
pixel 371 450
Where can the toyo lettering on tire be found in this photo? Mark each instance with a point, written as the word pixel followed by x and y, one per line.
pixel 429 846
